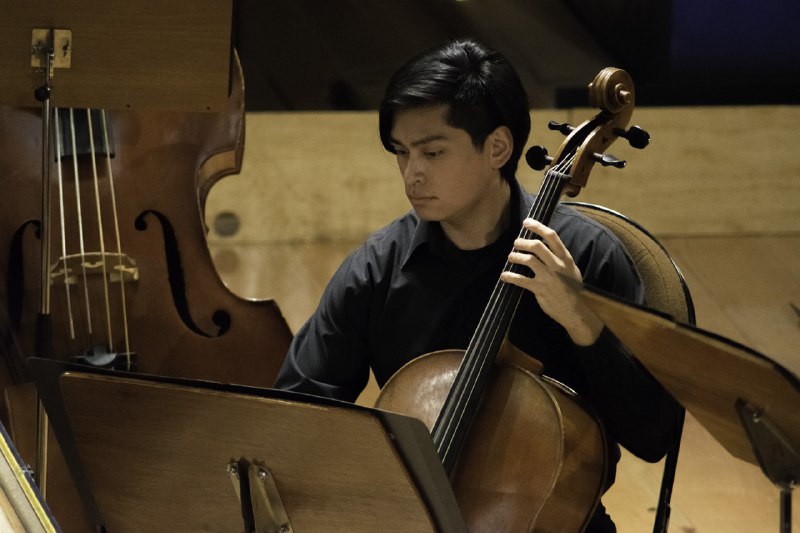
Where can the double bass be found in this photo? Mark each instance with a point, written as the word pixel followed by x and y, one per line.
pixel 523 451
pixel 131 282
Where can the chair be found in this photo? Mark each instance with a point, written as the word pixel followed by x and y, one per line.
pixel 665 291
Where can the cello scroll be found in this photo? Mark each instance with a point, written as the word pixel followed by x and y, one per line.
pixel 612 92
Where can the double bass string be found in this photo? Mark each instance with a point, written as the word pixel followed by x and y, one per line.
pixel 503 298
pixel 63 232
pixel 119 267
pixel 79 213
pixel 101 234
pixel 67 260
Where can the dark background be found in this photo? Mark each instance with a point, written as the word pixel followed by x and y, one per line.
pixel 339 54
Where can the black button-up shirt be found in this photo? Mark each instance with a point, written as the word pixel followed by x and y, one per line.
pixel 408 291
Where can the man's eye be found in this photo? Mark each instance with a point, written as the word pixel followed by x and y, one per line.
pixel 434 153
pixel 400 151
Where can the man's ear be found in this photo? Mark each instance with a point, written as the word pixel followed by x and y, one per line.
pixel 500 144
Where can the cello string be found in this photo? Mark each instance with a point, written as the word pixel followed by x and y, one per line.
pixel 99 210
pixel 478 353
pixel 79 212
pixel 70 319
pixel 549 192
pixel 499 298
pixel 120 266
pixel 499 304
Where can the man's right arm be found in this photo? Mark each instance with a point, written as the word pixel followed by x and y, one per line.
pixel 328 355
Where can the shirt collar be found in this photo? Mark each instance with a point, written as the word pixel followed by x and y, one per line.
pixel 431 235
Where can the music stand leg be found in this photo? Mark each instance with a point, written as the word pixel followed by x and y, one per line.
pixel 777 455
pixel 663 511
pixel 786 510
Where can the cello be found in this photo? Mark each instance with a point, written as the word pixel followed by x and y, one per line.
pixel 523 451
pixel 132 282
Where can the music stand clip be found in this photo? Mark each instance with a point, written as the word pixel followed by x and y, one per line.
pixel 262 508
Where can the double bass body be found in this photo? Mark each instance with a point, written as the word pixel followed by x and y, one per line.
pixel 178 318
pixel 131 277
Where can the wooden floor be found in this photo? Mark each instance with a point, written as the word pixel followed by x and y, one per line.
pixel 743 288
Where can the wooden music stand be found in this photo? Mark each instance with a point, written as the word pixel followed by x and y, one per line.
pixel 748 402
pixel 151 453
pixel 121 55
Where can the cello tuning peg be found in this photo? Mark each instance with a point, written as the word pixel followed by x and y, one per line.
pixel 636 136
pixel 608 160
pixel 564 128
pixel 537 157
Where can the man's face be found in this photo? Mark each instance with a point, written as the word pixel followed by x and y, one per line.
pixel 446 177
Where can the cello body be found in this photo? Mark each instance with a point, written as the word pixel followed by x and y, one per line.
pixel 535 459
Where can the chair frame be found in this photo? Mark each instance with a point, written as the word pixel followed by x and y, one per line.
pixel 601 215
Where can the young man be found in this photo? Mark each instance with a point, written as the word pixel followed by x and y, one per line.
pixel 457 119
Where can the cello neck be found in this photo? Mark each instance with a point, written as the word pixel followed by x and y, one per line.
pixel 461 405
pixel 612 92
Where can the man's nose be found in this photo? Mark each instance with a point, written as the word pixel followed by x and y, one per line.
pixel 414 171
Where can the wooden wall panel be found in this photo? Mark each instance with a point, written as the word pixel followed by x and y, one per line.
pixel 709 171
pixel 310 177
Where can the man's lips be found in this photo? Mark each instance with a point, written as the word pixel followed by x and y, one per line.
pixel 420 198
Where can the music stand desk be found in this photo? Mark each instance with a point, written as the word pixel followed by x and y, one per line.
pixel 747 402
pixel 158 453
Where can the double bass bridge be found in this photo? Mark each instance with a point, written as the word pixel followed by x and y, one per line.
pixel 117 267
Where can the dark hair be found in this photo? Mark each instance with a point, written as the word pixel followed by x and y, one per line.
pixel 479 86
